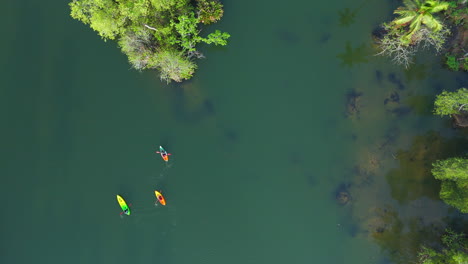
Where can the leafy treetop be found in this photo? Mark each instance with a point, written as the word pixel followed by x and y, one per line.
pixel 154 34
pixel 454 175
pixel 448 103
pixel 454 250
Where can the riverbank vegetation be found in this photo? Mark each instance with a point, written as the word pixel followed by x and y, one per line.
pixel 420 25
pixel 155 34
pixel 453 251
pixel 453 172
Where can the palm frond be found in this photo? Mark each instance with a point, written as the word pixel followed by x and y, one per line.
pixel 414 26
pixel 440 7
pixel 431 22
pixel 403 20
pixel 411 4
pixel 402 12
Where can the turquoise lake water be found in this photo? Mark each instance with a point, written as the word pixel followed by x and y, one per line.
pixel 294 112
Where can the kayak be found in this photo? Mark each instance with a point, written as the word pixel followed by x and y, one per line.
pixel 164 154
pixel 123 205
pixel 160 198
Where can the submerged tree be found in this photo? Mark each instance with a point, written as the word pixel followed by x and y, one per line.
pixel 414 28
pixel 454 251
pixel 453 173
pixel 154 34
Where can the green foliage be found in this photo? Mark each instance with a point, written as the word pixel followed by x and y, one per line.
pixel 457 12
pixel 452 62
pixel 218 38
pixel 414 15
pixel 414 27
pixel 173 65
pixel 454 251
pixel 453 173
pixel 209 11
pixel 186 27
pixel 154 34
pixel 448 103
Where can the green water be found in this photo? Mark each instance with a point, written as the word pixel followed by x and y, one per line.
pixel 260 140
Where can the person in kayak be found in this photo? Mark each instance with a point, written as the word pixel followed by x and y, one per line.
pixel 164 154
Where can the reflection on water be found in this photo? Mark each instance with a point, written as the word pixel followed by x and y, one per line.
pixel 401 240
pixel 421 104
pixel 413 178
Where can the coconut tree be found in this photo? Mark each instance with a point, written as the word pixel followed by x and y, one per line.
pixel 416 14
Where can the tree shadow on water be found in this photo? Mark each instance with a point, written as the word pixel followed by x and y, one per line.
pixel 188 107
pixel 421 104
pixel 356 55
pixel 348 15
pixel 413 178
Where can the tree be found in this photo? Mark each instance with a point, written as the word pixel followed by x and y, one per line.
pixel 414 28
pixel 454 251
pixel 415 14
pixel 448 103
pixel 209 11
pixel 453 173
pixel 154 34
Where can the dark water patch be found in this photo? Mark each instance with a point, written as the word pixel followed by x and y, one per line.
pixel 457 221
pixel 385 260
pixel 341 193
pixel 351 228
pixel 401 111
pixel 378 76
pixel 390 137
pixel 208 107
pixel 413 178
pixel 296 158
pixel 416 72
pixel 392 78
pixel 394 97
pixel 378 33
pixel 438 88
pixel 312 179
pixel 324 38
pixel 186 109
pixel 288 36
pixel 421 104
pixel 462 80
pixel 231 135
pixel 353 103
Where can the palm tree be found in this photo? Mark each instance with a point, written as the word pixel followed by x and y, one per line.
pixel 416 14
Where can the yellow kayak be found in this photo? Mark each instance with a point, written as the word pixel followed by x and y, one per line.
pixel 123 205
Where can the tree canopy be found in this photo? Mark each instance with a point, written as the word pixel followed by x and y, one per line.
pixel 448 103
pixel 154 34
pixel 454 251
pixel 453 173
pixel 415 26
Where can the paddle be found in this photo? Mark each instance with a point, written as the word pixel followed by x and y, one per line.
pixel 166 153
pixel 129 205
